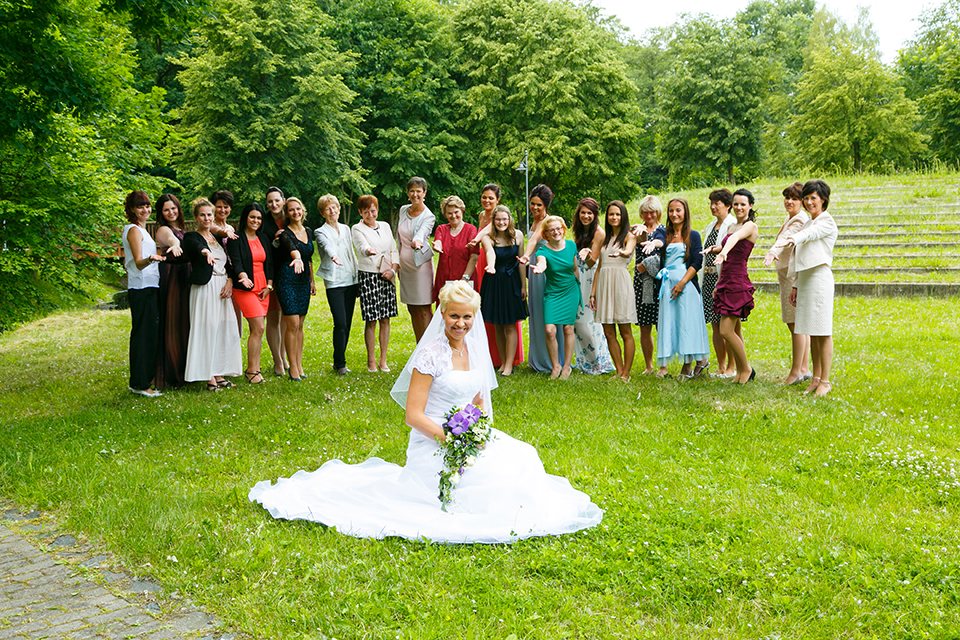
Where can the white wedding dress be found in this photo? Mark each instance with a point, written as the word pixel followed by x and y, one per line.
pixel 504 497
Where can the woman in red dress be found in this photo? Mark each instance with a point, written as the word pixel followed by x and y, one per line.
pixel 457 260
pixel 251 265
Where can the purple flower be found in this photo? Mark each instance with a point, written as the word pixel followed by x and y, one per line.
pixel 473 413
pixel 458 423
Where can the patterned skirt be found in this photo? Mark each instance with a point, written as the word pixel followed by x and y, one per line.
pixel 378 297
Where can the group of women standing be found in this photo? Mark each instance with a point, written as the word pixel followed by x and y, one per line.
pixel 578 294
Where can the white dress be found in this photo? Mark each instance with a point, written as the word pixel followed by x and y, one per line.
pixel 505 496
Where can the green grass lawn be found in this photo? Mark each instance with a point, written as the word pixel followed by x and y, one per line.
pixel 730 512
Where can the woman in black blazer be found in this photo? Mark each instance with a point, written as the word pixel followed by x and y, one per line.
pixel 251 266
pixel 213 350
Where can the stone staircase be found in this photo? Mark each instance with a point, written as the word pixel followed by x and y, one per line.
pixel 895 239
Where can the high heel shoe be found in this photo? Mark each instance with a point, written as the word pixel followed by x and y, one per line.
pixel 252 376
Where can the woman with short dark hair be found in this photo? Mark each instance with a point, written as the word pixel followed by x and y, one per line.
pixel 787 278
pixel 272 227
pixel 416 256
pixel 813 294
pixel 539 357
pixel 140 258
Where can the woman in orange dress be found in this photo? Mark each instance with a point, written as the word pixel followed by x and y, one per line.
pixel 251 266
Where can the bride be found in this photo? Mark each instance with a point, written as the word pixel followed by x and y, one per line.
pixel 505 496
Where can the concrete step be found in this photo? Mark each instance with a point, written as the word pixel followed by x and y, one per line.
pixel 883 289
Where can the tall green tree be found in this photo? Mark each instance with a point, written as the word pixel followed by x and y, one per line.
pixel 852 114
pixel 265 104
pixel 710 104
pixel 540 76
pixel 779 29
pixel 75 135
pixel 406 93
pixel 930 66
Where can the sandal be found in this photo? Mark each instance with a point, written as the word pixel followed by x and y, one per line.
pixel 824 384
pixel 252 375
pixel 701 369
pixel 224 384
pixel 213 387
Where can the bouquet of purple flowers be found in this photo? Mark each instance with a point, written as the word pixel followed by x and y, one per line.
pixel 467 430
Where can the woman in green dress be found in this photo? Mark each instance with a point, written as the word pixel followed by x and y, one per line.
pixel 561 296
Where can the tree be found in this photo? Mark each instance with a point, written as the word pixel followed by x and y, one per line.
pixel 538 75
pixel 75 135
pixel 930 66
pixel 851 112
pixel 710 104
pixel 779 29
pixel 265 104
pixel 648 63
pixel 405 90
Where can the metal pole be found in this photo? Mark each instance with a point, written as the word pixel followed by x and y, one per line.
pixel 526 180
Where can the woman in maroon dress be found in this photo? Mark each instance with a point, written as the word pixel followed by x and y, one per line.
pixel 457 260
pixel 733 295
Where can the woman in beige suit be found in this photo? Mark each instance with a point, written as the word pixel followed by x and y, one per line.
pixel 787 278
pixel 813 292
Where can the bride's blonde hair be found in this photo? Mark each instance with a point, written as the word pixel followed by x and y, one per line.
pixel 458 291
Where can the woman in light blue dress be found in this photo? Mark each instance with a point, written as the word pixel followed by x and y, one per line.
pixel 591 353
pixel 681 333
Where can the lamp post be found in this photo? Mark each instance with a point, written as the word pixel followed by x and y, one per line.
pixel 526 180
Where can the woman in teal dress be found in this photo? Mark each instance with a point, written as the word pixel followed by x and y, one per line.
pixel 561 296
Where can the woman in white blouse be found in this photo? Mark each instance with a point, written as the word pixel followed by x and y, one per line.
pixel 787 278
pixel 338 268
pixel 813 293
pixel 377 261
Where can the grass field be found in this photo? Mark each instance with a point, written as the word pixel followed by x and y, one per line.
pixel 730 512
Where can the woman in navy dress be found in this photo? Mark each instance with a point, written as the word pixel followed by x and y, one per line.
pixel 503 291
pixel 295 283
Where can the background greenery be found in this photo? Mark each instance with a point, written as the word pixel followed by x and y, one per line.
pixel 99 97
pixel 729 512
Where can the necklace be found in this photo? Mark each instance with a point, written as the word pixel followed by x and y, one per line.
pixel 460 351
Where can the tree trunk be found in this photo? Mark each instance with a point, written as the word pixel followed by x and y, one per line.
pixel 856 156
pixel 730 170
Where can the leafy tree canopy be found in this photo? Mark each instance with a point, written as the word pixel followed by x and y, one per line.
pixel 852 113
pixel 710 103
pixel 930 65
pixel 539 75
pixel 406 93
pixel 265 104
